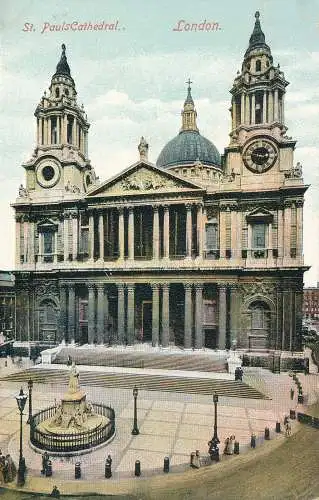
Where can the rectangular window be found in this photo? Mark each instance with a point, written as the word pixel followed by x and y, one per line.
pixel 211 236
pixel 48 242
pixel 259 236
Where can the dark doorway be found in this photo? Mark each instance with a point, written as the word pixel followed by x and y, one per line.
pixel 210 338
pixel 147 320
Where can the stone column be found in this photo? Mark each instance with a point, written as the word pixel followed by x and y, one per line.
pixel 188 315
pixel 130 231
pixel 58 130
pixel 299 209
pixel 165 314
pixel 100 314
pixel 55 255
pixel 253 109
pixel 25 239
pixel 265 107
pixel 247 109
pixel 166 232
pixel 91 236
pixel 235 252
pixel 198 316
pixel 269 242
pixel 91 313
pixel 40 138
pixel 287 228
pixel 283 108
pixel 63 325
pixel 71 314
pixel 276 106
pixel 65 237
pixel 222 317
pixel 234 313
pixel 101 236
pixel 242 108
pixel 107 334
pixel 31 242
pixel 155 314
pixel 120 313
pixel 75 236
pixel 270 107
pixel 200 231
pixel 222 232
pixel 156 239
pixel 130 313
pixel 280 233
pixel 233 113
pixel 18 241
pixel 121 232
pixel 189 231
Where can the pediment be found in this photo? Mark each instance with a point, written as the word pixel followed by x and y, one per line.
pixel 259 215
pixel 143 178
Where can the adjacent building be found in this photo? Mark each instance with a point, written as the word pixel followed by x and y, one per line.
pixel 196 250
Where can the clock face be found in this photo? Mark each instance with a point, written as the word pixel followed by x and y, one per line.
pixel 48 173
pixel 260 155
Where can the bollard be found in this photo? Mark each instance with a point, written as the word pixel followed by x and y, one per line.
pixel 77 470
pixel 48 469
pixel 292 414
pixel 108 470
pixel 137 468
pixel 267 433
pixel 253 441
pixel 166 464
pixel 278 430
pixel 236 448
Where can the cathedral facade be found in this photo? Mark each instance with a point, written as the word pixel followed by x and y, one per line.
pixel 198 250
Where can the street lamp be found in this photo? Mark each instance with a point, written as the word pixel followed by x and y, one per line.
pixel 213 444
pixel 30 386
pixel 21 401
pixel 135 430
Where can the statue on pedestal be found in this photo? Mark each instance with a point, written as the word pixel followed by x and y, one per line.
pixel 74 383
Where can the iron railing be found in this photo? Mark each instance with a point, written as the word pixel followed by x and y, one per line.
pixel 71 442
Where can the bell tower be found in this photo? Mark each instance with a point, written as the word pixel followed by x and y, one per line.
pixel 258 140
pixel 60 165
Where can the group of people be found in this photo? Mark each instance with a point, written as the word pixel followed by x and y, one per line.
pixel 287 425
pixel 8 470
pixel 229 445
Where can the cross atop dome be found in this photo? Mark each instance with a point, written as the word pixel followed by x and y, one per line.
pixel 189 99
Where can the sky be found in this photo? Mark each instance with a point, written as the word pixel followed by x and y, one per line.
pixel 132 82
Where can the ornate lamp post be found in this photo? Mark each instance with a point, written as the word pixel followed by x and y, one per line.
pixel 21 401
pixel 135 430
pixel 30 386
pixel 213 449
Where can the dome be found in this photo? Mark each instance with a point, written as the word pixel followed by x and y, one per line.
pixel 187 147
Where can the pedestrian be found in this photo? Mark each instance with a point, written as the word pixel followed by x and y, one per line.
pixel 232 444
pixel 227 448
pixel 288 429
pixel 286 420
pixel 292 393
pixel 55 493
pixel 10 469
pixel 2 469
pixel 45 459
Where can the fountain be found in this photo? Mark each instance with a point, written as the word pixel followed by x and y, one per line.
pixel 74 426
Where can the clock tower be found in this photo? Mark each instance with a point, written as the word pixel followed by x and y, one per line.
pixel 259 147
pixel 59 167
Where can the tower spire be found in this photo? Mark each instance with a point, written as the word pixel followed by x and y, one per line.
pixel 257 38
pixel 62 67
pixel 189 112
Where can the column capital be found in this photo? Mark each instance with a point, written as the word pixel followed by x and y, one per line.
pixel 155 286
pixel 155 208
pixel 91 286
pixel 165 286
pixel 166 208
pixel 100 286
pixel 189 206
pixel 199 287
pixel 120 286
pixel 120 210
pixel 222 287
pixel 130 287
pixel 130 208
pixel 233 286
pixel 188 286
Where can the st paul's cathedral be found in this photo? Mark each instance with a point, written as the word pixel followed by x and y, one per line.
pixel 198 250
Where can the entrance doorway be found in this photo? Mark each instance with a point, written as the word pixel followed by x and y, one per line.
pixel 146 321
pixel 210 338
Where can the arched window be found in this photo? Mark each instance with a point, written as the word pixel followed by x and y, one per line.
pixel 48 320
pixel 57 92
pixel 260 317
pixel 258 65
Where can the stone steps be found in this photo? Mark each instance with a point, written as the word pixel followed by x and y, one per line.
pixel 165 361
pixel 206 386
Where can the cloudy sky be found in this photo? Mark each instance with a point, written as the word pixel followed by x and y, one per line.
pixel 132 82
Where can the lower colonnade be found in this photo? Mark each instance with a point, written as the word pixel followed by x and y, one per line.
pixel 192 315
